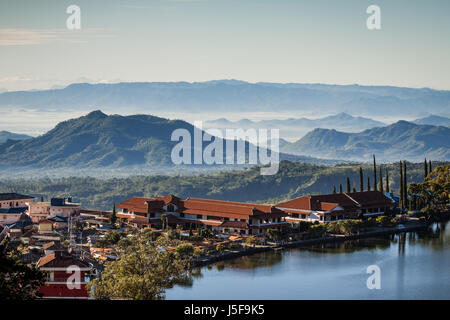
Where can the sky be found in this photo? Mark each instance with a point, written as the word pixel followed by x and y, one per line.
pixel 310 41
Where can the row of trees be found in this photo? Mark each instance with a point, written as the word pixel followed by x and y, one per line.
pixel 377 186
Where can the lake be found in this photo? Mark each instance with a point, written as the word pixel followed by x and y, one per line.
pixel 413 265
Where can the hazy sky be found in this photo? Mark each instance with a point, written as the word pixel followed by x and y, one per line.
pixel 309 41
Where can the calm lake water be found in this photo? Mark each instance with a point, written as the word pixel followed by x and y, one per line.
pixel 414 265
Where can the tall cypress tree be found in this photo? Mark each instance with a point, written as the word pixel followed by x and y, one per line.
pixel 354 188
pixel 387 180
pixel 361 180
pixel 425 168
pixel 405 186
pixel 374 174
pixel 381 180
pixel 430 169
pixel 348 185
pixel 368 183
pixel 334 189
pixel 401 186
pixel 340 188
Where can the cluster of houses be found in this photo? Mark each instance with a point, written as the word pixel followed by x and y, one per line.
pixel 44 226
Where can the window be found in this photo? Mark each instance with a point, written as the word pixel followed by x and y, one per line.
pixel 294 215
pixel 170 208
pixel 152 215
pixel 199 216
pixel 181 214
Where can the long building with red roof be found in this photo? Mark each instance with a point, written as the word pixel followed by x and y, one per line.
pixel 223 216
pixel 333 207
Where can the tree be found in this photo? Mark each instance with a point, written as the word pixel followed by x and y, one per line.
pixel 17 280
pixel 113 218
pixel 334 189
pixel 381 180
pixel 220 247
pixel 387 180
pixel 429 169
pixel 361 180
pixel 368 183
pixel 348 185
pixel 340 188
pixel 142 274
pixel 374 174
pixel 434 193
pixel 252 240
pixel 273 234
pixel 425 168
pixel 405 186
pixel 163 220
pixel 185 249
pixel 401 186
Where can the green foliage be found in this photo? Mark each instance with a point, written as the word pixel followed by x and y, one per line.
pixel 198 252
pixel 384 221
pixel 142 274
pixel 220 247
pixel 17 280
pixel 292 180
pixel 273 234
pixel 251 240
pixel 150 235
pixel 185 249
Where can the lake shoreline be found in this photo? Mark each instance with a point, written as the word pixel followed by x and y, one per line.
pixel 411 226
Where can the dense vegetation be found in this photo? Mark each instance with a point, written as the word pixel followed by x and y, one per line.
pixel 293 180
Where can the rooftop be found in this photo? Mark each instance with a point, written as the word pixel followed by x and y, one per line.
pixel 14 196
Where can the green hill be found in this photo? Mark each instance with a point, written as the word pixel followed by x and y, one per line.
pixel 401 140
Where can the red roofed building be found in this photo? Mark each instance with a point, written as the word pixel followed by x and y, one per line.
pixel 223 216
pixel 332 207
pixel 66 276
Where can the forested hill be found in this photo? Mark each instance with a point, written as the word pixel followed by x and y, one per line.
pixel 293 180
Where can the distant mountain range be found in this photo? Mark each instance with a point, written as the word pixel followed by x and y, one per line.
pixel 293 127
pixel 235 96
pixel 99 140
pixel 434 121
pixel 401 140
pixel 5 135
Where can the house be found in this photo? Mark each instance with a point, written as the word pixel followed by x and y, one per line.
pixel 59 222
pixel 17 228
pixel 222 216
pixel 12 205
pixel 45 226
pixel 67 276
pixel 56 207
pixel 333 207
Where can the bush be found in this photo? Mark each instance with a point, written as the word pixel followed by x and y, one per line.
pixel 384 221
pixel 173 234
pixel 220 247
pixel 252 240
pixel 185 249
pixel 198 252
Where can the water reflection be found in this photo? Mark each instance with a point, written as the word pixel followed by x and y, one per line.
pixel 414 266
